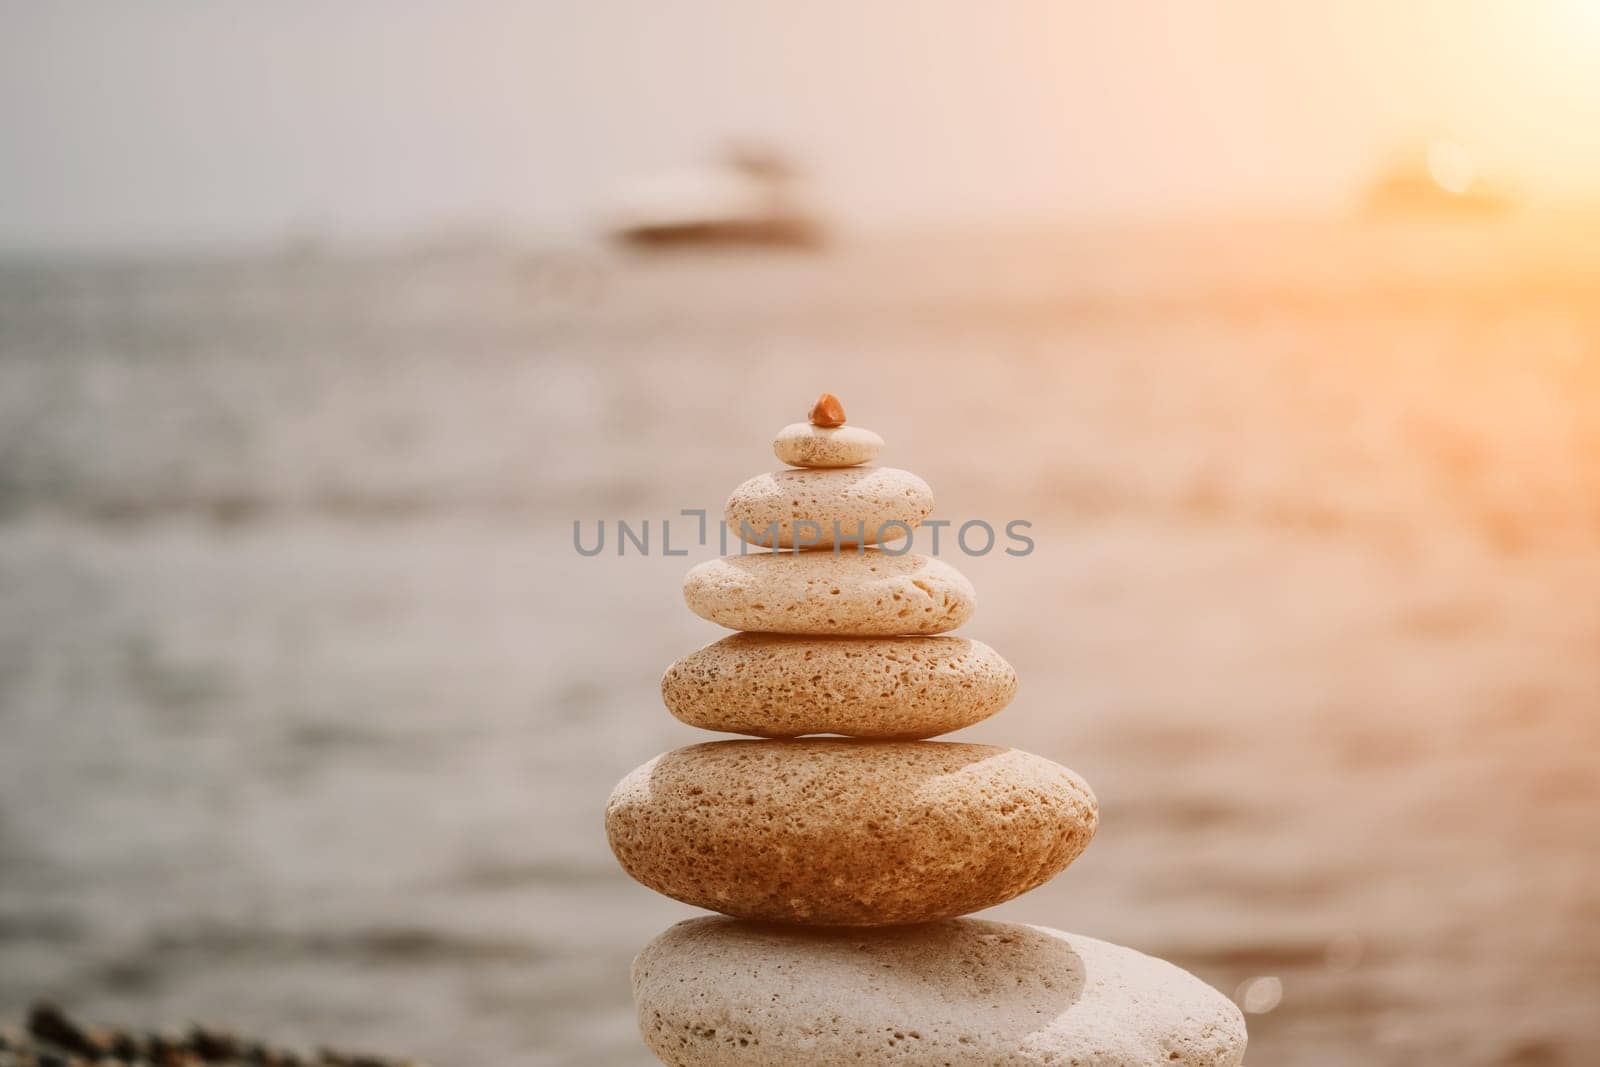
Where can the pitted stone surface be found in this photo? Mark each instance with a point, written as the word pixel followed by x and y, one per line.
pixel 716 992
pixel 822 508
pixel 855 593
pixel 805 445
pixel 845 832
pixel 773 685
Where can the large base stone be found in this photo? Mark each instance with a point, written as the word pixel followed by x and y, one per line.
pixel 715 991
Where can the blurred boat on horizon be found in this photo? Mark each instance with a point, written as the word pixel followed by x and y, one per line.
pixel 747 198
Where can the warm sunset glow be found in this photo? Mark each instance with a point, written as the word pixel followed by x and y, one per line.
pixel 444 620
pixel 1584 18
pixel 1450 165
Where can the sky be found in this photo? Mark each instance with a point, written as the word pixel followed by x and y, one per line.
pixel 169 122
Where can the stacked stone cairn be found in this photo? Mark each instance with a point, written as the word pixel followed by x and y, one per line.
pixel 841 864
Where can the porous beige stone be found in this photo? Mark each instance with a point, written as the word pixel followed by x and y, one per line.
pixel 845 832
pixel 855 593
pixel 805 445
pixel 822 508
pixel 775 685
pixel 962 993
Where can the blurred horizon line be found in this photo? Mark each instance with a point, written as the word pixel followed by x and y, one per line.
pixel 481 234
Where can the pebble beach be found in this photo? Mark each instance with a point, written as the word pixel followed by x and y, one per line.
pixel 309 708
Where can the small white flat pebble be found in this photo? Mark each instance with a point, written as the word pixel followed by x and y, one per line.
pixel 804 445
pixel 855 593
pixel 822 508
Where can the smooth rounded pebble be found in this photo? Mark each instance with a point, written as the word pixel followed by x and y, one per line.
pixel 822 508
pixel 773 685
pixel 841 832
pixel 805 445
pixel 865 593
pixel 962 993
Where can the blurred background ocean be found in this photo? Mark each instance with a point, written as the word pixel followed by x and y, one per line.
pixel 309 708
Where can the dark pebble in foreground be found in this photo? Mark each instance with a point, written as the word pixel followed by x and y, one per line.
pixel 54 1039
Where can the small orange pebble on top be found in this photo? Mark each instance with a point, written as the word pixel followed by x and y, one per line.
pixel 827 411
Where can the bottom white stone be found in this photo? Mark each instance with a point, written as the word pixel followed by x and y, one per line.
pixel 717 991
